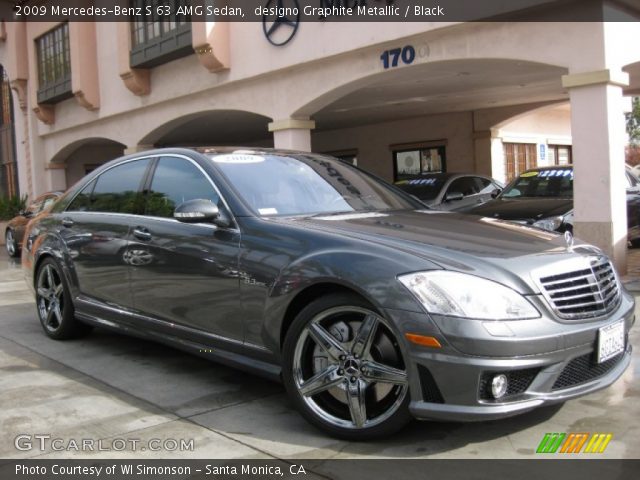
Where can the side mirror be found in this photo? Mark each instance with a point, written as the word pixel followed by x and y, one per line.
pixel 495 193
pixel 198 211
pixel 453 196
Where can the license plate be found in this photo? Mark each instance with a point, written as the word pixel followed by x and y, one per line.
pixel 610 341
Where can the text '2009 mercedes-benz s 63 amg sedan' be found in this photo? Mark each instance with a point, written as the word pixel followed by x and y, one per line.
pixel 369 307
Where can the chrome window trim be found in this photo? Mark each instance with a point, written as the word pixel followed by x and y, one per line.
pixel 152 157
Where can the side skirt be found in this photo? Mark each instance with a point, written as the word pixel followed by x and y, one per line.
pixel 243 361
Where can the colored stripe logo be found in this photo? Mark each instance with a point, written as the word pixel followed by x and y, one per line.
pixel 574 443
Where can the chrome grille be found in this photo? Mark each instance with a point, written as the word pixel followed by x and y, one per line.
pixel 583 293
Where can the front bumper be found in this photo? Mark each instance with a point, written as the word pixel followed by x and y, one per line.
pixel 546 362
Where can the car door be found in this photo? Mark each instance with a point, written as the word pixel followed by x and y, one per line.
pixel 469 189
pixel 95 229
pixel 185 273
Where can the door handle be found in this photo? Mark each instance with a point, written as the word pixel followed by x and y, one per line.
pixel 141 233
pixel 67 222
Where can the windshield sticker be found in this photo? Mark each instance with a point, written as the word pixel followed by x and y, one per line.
pixel 556 173
pixel 352 216
pixel 238 158
pixel 268 211
pixel 422 181
pixel 528 174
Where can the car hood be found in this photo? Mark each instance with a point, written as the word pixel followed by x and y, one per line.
pixel 524 209
pixel 502 251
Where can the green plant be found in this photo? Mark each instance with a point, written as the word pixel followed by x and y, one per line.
pixel 10 207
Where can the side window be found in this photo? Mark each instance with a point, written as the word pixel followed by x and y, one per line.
pixel 116 190
pixel 81 202
pixel 484 185
pixel 464 185
pixel 175 181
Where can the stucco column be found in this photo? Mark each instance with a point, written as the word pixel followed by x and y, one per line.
pixel 598 132
pixel 292 134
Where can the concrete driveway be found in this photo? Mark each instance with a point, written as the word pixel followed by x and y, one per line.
pixel 124 392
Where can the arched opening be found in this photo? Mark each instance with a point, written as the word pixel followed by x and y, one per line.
pixel 81 157
pixel 436 108
pixel 211 128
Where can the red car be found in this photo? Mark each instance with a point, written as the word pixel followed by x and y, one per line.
pixel 15 229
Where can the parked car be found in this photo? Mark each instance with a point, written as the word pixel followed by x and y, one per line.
pixel 543 197
pixel 369 307
pixel 14 232
pixel 451 191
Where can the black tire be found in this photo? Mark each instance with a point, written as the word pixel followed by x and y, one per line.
pixel 325 409
pixel 11 244
pixel 54 305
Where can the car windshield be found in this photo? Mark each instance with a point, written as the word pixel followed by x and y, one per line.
pixel 423 188
pixel 307 184
pixel 557 183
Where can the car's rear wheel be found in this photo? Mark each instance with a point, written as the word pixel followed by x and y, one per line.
pixel 11 244
pixel 53 301
pixel 344 369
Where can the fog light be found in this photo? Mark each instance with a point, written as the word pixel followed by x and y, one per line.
pixel 499 385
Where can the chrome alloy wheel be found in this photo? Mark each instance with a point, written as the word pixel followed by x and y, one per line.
pixel 50 298
pixel 10 243
pixel 348 368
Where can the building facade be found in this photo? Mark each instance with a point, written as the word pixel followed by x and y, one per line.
pixel 488 97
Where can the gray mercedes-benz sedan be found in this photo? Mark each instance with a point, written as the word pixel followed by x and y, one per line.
pixel 369 307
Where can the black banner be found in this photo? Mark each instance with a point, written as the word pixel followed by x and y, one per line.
pixel 391 469
pixel 321 10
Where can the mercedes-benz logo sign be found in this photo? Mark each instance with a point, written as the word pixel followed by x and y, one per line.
pixel 280 27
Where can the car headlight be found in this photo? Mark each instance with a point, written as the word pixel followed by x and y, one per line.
pixel 550 223
pixel 461 295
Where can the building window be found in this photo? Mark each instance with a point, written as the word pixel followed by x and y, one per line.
pixel 560 155
pixel 415 160
pixel 519 157
pixel 157 39
pixel 54 65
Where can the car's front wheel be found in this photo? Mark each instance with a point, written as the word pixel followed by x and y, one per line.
pixel 53 300
pixel 344 369
pixel 11 244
